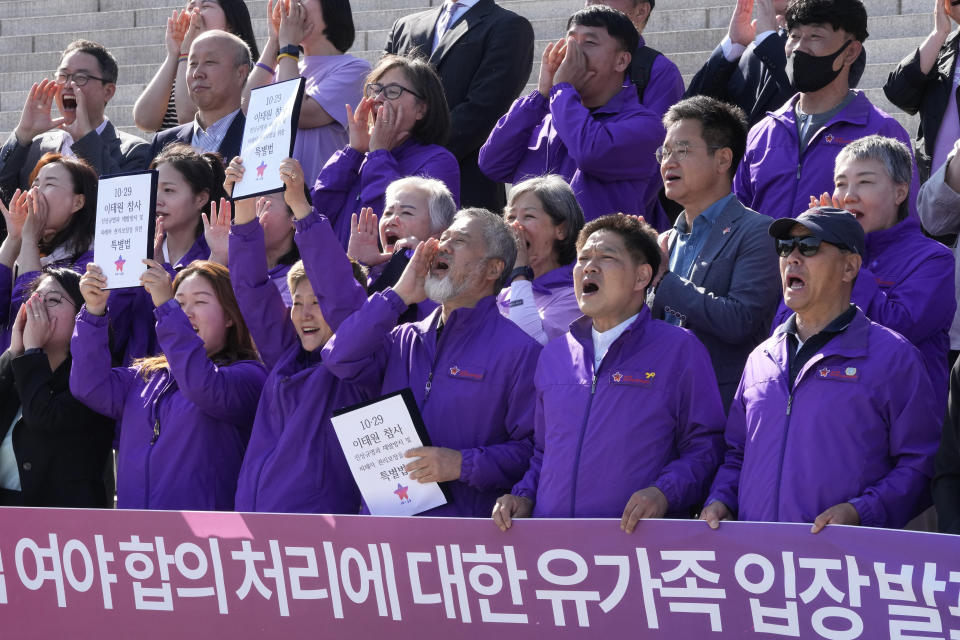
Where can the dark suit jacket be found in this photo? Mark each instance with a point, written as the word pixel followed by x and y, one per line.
pixel 732 293
pixel 61 446
pixel 109 152
pixel 484 60
pixel 229 148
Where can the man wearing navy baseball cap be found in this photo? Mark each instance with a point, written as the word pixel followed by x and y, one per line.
pixel 839 410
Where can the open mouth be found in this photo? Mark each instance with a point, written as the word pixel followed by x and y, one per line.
pixel 795 283
pixel 309 330
pixel 391 239
pixel 440 265
pixel 670 177
pixel 69 102
pixel 857 214
pixel 195 328
pixel 590 287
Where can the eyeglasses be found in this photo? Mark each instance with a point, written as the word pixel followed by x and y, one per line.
pixel 53 300
pixel 390 92
pixel 679 152
pixel 81 79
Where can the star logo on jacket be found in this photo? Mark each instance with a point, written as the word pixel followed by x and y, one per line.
pixel 823 373
pixel 726 231
pixel 829 137
pixel 260 169
pixel 454 370
pixel 118 263
pixel 844 374
pixel 618 377
pixel 403 493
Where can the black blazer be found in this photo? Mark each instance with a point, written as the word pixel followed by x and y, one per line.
pixel 61 446
pixel 229 148
pixel 484 60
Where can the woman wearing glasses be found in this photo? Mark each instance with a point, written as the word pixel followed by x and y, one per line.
pixel 395 132
pixel 323 30
pixel 53 449
pixel 51 224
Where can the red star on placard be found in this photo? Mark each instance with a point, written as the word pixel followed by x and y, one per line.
pixel 402 492
pixel 118 263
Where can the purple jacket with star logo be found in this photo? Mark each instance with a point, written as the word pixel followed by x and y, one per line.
pixel 474 387
pixel 649 416
pixel 861 425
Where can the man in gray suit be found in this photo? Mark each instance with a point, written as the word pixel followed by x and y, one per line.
pixel 719 274
pixel 83 84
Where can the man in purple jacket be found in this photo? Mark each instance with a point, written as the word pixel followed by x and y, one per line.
pixel 835 420
pixel 790 153
pixel 469 368
pixel 628 414
pixel 584 122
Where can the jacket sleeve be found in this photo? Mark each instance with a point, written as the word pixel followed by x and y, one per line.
pixel 742 179
pixel 505 65
pixel 357 352
pixel 749 302
pixel 44 409
pixel 665 88
pixel 726 484
pixel 260 302
pixel 92 380
pixel 382 168
pixel 333 185
pixel 109 158
pixel 605 148
pixel 922 304
pixel 530 482
pixel 230 393
pixel 913 420
pixel 328 270
pixel 938 204
pixel 508 143
pixel 499 466
pixel 906 84
pixel 699 431
pixel 13 156
pixel 946 481
pixel 713 77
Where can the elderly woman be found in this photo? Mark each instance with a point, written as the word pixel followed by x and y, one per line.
pixel 546 219
pixel 404 100
pixel 906 281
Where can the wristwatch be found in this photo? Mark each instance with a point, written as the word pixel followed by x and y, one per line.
pixel 290 49
pixel 526 272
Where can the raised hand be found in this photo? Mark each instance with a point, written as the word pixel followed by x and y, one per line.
pixel 549 62
pixel 292 175
pixel 158 238
pixel 177 25
pixel 36 117
pixel 359 125
pixel 81 124
pixel 293 26
pixel 364 245
pixel 39 325
pixel 16 215
pixel 233 174
pixel 216 230
pixel 573 69
pixel 520 238
pixel 410 285
pixel 194 28
pixel 743 28
pixel 36 218
pixel 93 285
pixel 386 132
pixel 157 282
pixel 16 334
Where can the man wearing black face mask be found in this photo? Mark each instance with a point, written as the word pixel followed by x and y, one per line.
pixel 790 153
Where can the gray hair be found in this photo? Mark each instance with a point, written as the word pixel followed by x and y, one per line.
pixel 439 199
pixel 560 203
pixel 242 54
pixel 498 238
pixel 890 152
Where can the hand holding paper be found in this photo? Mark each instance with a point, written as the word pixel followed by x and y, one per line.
pixel 434 464
pixel 93 289
pixel 157 282
pixel 292 175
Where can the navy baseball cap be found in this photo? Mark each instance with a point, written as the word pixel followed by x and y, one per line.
pixel 836 226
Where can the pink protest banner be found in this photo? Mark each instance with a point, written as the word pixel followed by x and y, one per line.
pixel 135 574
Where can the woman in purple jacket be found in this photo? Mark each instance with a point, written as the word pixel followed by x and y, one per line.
pixel 906 281
pixel 547 219
pixel 184 416
pixel 410 120
pixel 52 224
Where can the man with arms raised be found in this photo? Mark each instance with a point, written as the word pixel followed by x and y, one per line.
pixel 469 368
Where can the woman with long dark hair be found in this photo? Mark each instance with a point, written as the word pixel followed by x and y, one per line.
pixel 183 416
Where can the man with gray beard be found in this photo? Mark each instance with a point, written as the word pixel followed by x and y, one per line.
pixel 469 368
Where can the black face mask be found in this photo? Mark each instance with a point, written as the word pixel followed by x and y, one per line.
pixel 809 73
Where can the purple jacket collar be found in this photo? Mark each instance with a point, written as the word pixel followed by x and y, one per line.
pixel 462 319
pixel 856 113
pixel 581 330
pixel 881 240
pixel 554 279
pixel 851 343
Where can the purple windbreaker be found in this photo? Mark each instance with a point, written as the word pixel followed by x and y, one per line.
pixel 777 180
pixel 294 462
pixel 183 432
pixel 906 284
pixel 651 415
pixel 861 425
pixel 606 154
pixel 351 180
pixel 474 388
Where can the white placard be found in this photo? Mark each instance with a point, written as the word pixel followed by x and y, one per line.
pixel 374 436
pixel 124 236
pixel 268 136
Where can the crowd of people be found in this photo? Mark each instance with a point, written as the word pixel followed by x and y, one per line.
pixel 736 300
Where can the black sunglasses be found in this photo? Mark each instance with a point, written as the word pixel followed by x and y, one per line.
pixel 808 245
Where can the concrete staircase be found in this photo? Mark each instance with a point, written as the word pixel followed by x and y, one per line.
pixel 33 33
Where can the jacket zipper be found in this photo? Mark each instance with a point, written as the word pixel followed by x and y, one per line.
pixel 791 387
pixel 433 367
pixel 583 431
pixel 153 441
